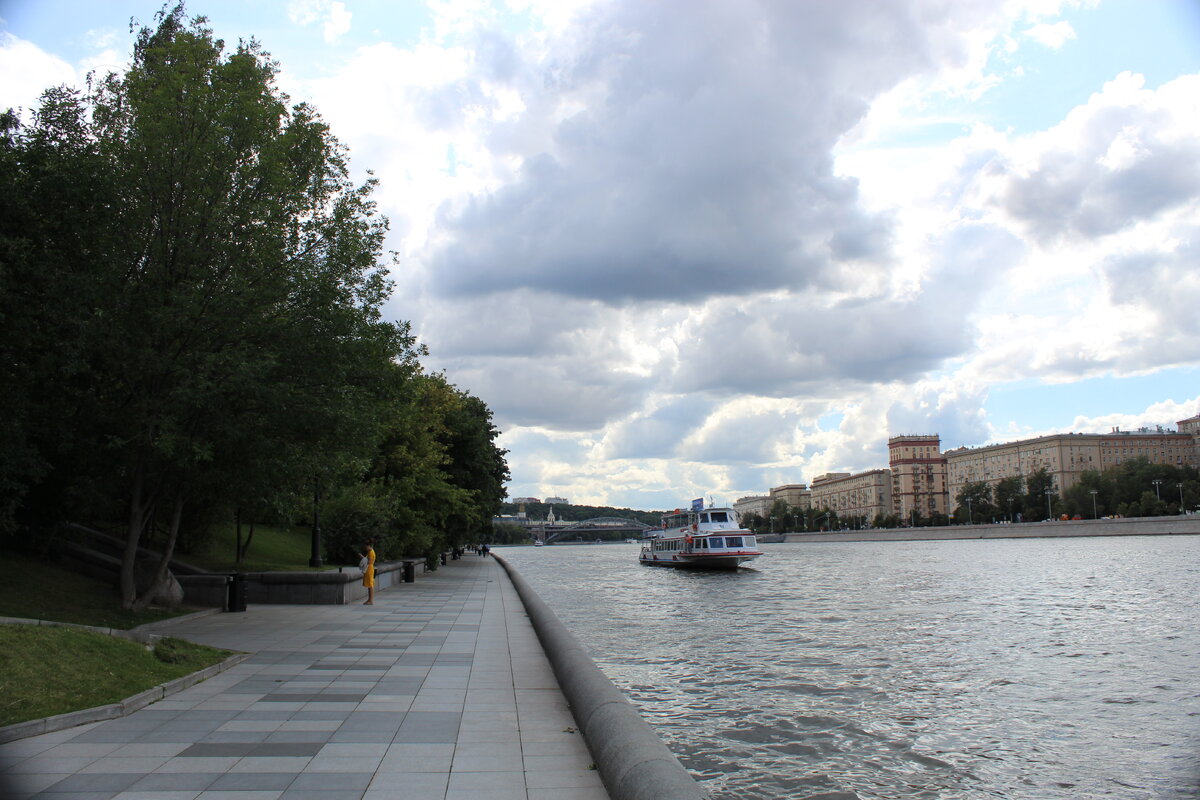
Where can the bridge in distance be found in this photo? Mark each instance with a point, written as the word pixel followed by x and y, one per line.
pixel 596 528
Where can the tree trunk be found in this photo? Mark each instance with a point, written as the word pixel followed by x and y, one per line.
pixel 249 539
pixel 160 574
pixel 237 547
pixel 137 519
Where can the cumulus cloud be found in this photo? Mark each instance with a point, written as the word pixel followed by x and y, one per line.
pixel 332 14
pixel 682 150
pixel 1127 156
pixel 26 71
pixel 1052 35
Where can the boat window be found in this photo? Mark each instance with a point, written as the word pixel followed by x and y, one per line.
pixel 716 541
pixel 720 516
pixel 751 542
pixel 704 517
pixel 733 541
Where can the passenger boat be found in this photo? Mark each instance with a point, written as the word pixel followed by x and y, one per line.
pixel 700 538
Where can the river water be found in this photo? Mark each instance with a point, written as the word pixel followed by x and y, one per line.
pixel 1022 669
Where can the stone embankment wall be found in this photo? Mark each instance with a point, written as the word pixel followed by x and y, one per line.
pixel 1142 526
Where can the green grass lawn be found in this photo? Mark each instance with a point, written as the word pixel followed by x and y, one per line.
pixel 272 549
pixel 50 670
pixel 34 589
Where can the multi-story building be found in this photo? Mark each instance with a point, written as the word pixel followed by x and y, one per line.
pixel 918 475
pixel 796 495
pixel 755 504
pixel 866 494
pixel 1066 456
pixel 924 479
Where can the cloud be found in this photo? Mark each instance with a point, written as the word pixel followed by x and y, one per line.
pixel 26 71
pixel 682 151
pixel 333 15
pixel 1051 35
pixel 1127 156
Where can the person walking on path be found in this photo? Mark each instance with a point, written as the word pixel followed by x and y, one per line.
pixel 368 570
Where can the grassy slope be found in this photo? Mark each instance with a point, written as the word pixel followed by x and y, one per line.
pixel 49 670
pixel 271 549
pixel 46 671
pixel 34 589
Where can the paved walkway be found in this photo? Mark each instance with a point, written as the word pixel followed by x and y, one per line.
pixel 440 691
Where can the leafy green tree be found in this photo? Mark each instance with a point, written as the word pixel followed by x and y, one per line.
pixel 1037 484
pixel 1008 495
pixel 975 502
pixel 229 285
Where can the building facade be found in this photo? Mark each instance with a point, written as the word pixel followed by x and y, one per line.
pixel 796 495
pixel 755 504
pixel 866 494
pixel 1066 456
pixel 918 471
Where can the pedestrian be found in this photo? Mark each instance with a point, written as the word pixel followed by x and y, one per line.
pixel 368 569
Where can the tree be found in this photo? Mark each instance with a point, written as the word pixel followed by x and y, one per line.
pixel 1009 495
pixel 228 283
pixel 1039 484
pixel 974 502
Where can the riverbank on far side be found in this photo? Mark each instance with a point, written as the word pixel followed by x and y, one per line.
pixel 1185 525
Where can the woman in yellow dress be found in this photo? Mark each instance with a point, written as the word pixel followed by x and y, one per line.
pixel 369 572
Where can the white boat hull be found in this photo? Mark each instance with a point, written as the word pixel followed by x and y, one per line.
pixel 697 561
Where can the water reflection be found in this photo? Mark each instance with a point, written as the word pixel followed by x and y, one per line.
pixel 976 669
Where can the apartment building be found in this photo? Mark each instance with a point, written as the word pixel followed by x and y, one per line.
pixel 924 479
pixel 754 504
pixel 1066 456
pixel 918 471
pixel 866 494
pixel 796 495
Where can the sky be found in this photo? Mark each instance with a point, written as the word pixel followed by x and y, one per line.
pixel 688 248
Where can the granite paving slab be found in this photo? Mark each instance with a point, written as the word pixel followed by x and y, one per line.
pixel 440 690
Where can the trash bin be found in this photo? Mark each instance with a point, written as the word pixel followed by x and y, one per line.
pixel 410 571
pixel 236 600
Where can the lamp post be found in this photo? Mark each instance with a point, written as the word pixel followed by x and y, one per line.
pixel 970 516
pixel 1157 483
pixel 1179 486
pixel 1010 516
pixel 1093 493
pixel 1049 513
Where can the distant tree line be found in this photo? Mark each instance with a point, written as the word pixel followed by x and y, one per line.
pixel 191 331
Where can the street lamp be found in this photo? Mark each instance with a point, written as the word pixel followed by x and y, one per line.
pixel 1157 482
pixel 970 516
pixel 1179 486
pixel 1093 493
pixel 1049 513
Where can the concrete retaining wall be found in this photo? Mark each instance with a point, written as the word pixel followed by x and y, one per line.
pixel 1140 526
pixel 632 760
pixel 295 588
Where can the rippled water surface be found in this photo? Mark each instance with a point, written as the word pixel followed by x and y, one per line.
pixel 1019 669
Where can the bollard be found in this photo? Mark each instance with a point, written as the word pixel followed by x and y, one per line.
pixel 410 572
pixel 237 593
pixel 443 559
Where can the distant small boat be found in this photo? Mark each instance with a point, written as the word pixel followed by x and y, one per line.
pixel 700 538
pixel 538 543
